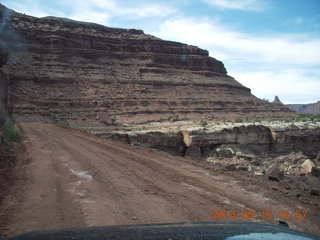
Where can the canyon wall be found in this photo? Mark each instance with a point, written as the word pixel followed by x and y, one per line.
pixel 89 74
pixel 3 85
pixel 310 108
pixel 281 138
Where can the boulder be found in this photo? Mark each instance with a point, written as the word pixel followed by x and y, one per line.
pixel 307 167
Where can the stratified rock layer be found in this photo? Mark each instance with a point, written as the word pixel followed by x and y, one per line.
pixel 199 142
pixel 311 108
pixel 87 73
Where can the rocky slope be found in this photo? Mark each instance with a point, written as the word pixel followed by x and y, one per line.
pixel 311 108
pixel 86 73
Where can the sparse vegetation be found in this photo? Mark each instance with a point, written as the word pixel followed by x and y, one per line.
pixel 113 136
pixel 203 123
pixel 162 119
pixel 10 134
pixel 113 120
pixel 302 118
pixel 63 123
pixel 238 120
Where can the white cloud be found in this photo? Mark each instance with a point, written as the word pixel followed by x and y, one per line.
pixel 97 11
pixel 100 11
pixel 291 85
pixel 91 16
pixel 237 46
pixel 244 5
pixel 263 63
pixel 33 10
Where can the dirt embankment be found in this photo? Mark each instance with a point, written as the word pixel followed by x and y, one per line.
pixel 73 179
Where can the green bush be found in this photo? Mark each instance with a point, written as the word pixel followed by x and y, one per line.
pixel 10 133
pixel 203 123
pixel 238 120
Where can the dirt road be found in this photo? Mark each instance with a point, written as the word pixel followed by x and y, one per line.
pixel 73 179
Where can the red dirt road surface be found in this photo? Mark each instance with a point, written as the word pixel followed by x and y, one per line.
pixel 72 179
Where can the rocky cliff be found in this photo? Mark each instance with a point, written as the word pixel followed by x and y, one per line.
pixel 198 142
pixel 311 108
pixel 3 85
pixel 259 139
pixel 86 73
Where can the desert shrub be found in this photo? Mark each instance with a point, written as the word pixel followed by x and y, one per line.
pixel 315 118
pixel 203 123
pixel 10 133
pixel 239 120
pixel 113 136
pixel 113 120
pixel 63 123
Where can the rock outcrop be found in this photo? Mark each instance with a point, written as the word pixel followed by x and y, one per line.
pixel 277 100
pixel 234 158
pixel 258 139
pixel 89 74
pixel 268 138
pixel 311 108
pixel 3 85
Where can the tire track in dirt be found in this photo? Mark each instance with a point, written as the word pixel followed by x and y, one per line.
pixel 75 179
pixel 222 191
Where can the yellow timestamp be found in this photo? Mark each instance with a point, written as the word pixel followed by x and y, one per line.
pixel 261 214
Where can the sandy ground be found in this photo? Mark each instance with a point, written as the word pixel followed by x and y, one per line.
pixel 72 179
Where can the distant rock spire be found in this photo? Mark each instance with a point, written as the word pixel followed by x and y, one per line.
pixel 277 100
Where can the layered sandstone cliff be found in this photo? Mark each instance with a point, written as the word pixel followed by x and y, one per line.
pixel 198 142
pixel 86 73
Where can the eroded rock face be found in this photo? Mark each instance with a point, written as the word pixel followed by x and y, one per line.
pixel 89 74
pixel 311 108
pixel 277 100
pixel 239 141
pixel 3 54
pixel 3 85
pixel 277 138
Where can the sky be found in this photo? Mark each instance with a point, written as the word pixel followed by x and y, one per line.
pixel 270 46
